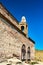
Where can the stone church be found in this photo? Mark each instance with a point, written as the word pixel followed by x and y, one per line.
pixel 13 37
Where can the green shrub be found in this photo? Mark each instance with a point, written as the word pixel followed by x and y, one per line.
pixel 32 63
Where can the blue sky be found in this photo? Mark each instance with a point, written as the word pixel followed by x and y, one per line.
pixel 33 11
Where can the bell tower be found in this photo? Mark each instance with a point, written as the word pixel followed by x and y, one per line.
pixel 23 26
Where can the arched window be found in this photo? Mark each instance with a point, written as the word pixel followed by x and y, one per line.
pixel 22 28
pixel 28 53
pixel 23 52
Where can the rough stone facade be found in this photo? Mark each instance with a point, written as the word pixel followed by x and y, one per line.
pixel 11 38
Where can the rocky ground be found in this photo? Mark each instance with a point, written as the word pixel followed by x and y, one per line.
pixel 15 61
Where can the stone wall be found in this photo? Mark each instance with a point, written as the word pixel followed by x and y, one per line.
pixel 9 43
pixel 11 40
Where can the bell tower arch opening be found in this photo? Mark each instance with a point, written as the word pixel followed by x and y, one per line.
pixel 22 28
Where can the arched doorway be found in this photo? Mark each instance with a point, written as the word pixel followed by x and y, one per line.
pixel 28 53
pixel 23 52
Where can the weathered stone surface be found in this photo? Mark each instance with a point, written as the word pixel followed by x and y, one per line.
pixel 11 40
